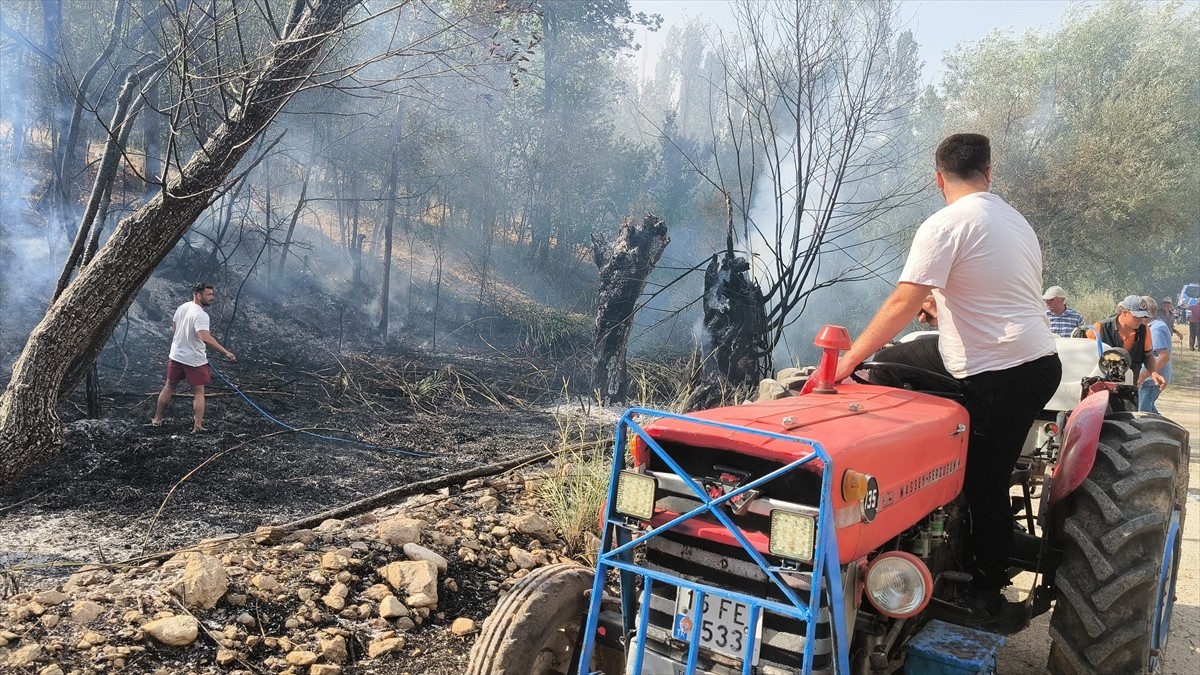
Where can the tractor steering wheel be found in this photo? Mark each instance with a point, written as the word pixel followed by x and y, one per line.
pixel 913 378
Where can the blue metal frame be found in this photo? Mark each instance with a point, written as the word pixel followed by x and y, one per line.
pixel 619 555
pixel 1164 602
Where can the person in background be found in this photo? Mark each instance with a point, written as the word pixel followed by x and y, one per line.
pixel 981 261
pixel 1166 314
pixel 1194 326
pixel 188 359
pixel 1063 319
pixel 1127 329
pixel 1160 354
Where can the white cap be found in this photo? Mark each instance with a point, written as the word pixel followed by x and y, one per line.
pixel 1054 292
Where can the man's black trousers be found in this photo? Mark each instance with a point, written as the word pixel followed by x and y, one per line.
pixel 1002 405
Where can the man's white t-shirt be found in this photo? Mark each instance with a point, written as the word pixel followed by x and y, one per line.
pixel 985 264
pixel 186 346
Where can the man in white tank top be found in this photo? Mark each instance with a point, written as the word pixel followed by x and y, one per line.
pixel 981 261
pixel 188 359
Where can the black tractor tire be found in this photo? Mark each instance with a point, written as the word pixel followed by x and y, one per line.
pixel 534 629
pixel 1114 539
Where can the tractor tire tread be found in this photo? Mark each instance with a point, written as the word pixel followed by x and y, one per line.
pixel 1114 534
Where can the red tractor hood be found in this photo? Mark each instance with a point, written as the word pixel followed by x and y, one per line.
pixel 914 445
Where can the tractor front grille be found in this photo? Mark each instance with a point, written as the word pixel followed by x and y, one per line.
pixel 783 638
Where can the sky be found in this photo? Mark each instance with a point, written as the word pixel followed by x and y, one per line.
pixel 937 25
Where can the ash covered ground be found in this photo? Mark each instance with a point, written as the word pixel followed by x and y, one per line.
pixel 121 489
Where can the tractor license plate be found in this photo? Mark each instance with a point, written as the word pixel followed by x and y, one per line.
pixel 723 628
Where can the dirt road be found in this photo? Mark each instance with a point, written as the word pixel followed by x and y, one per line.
pixel 1025 653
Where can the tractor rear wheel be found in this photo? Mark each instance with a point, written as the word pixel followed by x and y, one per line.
pixel 534 629
pixel 1121 547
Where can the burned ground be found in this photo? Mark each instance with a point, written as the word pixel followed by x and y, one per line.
pixel 121 489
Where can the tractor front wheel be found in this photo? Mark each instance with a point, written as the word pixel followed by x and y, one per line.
pixel 1121 547
pixel 534 629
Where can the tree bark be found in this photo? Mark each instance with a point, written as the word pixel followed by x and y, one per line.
pixel 624 268
pixel 80 321
pixel 386 300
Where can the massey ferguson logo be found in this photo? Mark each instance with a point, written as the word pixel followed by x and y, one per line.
pixel 727 480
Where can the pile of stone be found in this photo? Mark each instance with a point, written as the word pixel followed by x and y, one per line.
pixel 300 602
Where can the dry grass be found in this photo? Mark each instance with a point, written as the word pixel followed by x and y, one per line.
pixel 575 484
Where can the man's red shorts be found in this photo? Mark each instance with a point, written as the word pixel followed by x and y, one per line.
pixel 196 376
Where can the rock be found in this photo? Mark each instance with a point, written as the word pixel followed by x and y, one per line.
pixel 176 631
pixel 789 373
pixel 226 657
pixel 391 608
pixel 334 649
pixel 332 560
pixel 204 582
pixel 522 558
pixel 377 592
pixel 246 619
pixel 412 578
pixel 324 669
pixel 536 526
pixel 306 594
pixel 266 582
pixel 418 552
pixel 399 531
pixel 418 600
pixel 771 390
pixel 85 611
pixel 23 657
pixel 462 626
pixel 52 669
pixel 87 578
pixel 377 648
pixel 265 535
pixel 488 503
pixel 301 658
pixel 330 526
pixel 335 599
pixel 49 598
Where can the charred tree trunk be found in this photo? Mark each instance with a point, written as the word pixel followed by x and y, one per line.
pixel 287 240
pixel 735 322
pixel 80 321
pixel 386 301
pixel 624 267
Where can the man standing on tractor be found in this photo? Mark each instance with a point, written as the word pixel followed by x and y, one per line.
pixel 981 261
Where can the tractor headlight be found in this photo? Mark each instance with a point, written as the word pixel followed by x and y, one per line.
pixel 792 535
pixel 898 584
pixel 635 495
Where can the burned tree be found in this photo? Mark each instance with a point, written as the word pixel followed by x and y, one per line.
pixel 624 266
pixel 735 322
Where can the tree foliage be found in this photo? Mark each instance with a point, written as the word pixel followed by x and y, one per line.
pixel 1095 136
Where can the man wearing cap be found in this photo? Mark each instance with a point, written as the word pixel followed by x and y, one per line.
pixel 1160 341
pixel 1063 319
pixel 1166 314
pixel 1127 329
pixel 981 261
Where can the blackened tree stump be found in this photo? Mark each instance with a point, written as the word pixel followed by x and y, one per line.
pixel 624 265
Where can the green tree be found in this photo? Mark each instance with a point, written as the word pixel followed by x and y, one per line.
pixel 1095 137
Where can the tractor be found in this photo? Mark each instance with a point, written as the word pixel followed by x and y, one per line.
pixel 824 532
